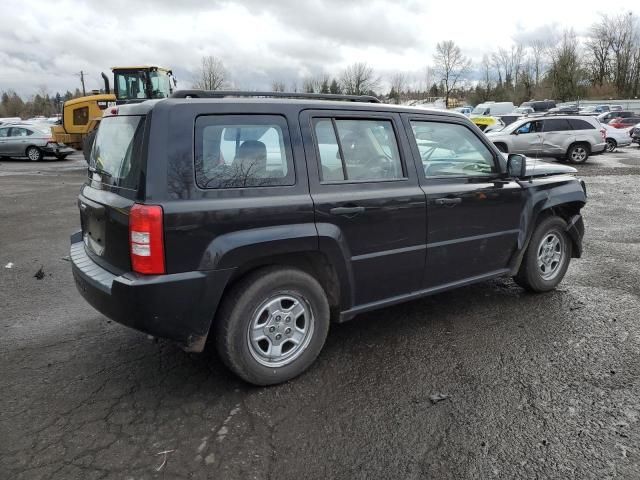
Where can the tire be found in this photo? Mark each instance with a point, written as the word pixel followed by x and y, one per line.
pixel 62 157
pixel 611 145
pixel 534 277
pixel 578 153
pixel 257 310
pixel 502 147
pixel 34 154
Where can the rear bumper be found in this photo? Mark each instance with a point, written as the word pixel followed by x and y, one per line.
pixel 179 307
pixel 57 150
pixel 598 148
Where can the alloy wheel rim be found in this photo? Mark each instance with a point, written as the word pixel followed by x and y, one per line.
pixel 280 330
pixel 551 251
pixel 611 146
pixel 33 154
pixel 579 154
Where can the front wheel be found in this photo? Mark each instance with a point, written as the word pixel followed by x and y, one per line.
pixel 272 325
pixel 578 153
pixel 34 154
pixel 611 145
pixel 547 257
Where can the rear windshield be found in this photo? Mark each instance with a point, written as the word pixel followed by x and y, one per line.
pixel 116 152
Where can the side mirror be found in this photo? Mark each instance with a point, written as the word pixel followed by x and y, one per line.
pixel 516 132
pixel 516 165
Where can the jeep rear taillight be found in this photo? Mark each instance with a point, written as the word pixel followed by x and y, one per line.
pixel 146 239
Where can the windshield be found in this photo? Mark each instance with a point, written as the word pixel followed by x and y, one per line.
pixel 116 154
pixel 481 110
pixel 160 86
pixel 514 126
pixel 130 85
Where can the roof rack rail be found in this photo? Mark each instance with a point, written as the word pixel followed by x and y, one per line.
pixel 552 114
pixel 240 93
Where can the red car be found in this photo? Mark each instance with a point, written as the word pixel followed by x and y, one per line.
pixel 624 122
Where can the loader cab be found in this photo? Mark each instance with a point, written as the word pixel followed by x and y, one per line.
pixel 142 83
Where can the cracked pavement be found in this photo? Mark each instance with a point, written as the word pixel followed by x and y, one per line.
pixel 539 386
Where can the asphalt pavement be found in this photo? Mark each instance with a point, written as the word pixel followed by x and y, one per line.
pixel 483 382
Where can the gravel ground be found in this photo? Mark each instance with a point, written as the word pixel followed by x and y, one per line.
pixel 532 386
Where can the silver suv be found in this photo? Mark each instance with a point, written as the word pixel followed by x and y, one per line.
pixel 571 137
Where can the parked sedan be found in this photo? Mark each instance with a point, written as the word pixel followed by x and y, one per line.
pixel 624 122
pixel 32 142
pixel 617 137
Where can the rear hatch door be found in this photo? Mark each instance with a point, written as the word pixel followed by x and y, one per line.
pixel 115 182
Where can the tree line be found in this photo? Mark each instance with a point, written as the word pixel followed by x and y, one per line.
pixel 13 105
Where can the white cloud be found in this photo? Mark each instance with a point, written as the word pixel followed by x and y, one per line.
pixel 47 43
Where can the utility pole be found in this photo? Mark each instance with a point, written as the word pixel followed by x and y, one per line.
pixel 84 93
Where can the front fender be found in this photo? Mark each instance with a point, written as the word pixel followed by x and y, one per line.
pixel 543 195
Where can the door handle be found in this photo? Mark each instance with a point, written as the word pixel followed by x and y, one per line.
pixel 346 210
pixel 448 201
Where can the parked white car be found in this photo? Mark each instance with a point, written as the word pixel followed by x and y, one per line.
pixel 617 137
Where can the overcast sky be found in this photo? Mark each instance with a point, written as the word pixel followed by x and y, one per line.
pixel 45 43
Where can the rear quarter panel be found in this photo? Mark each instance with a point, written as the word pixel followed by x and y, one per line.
pixel 209 229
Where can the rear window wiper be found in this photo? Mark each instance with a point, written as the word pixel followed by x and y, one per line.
pixel 100 171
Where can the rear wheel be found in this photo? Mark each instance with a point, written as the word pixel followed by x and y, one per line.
pixel 578 153
pixel 34 154
pixel 272 325
pixel 547 257
pixel 611 145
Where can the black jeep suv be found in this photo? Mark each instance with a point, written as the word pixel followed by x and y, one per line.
pixel 255 221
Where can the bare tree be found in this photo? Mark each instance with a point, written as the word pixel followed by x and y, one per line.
pixel 450 65
pixel 486 72
pixel 625 41
pixel 516 61
pixel 278 86
pixel 398 86
pixel 359 79
pixel 598 47
pixel 538 52
pixel 565 72
pixel 212 74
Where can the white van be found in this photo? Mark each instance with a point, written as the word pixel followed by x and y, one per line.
pixel 485 115
pixel 493 108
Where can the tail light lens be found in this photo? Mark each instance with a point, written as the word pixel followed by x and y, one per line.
pixel 146 239
pixel 603 132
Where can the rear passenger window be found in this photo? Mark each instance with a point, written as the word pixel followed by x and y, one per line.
pixel 357 150
pixel 447 149
pixel 234 151
pixel 577 124
pixel 556 125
